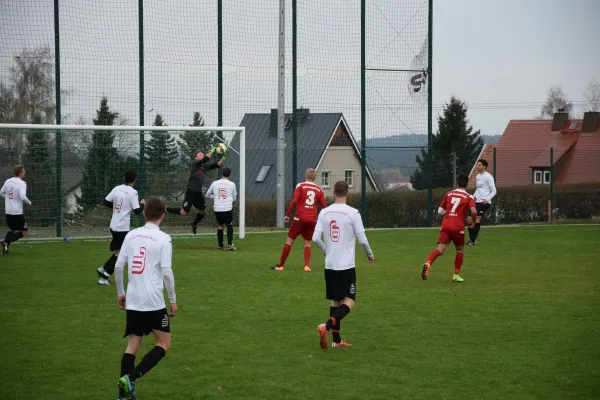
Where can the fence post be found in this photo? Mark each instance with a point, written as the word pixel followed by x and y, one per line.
pixel 429 119
pixel 142 105
pixel 58 166
pixel 294 95
pixel 220 64
pixel 494 221
pixel 363 113
pixel 551 194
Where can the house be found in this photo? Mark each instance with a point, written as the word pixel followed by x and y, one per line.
pixel 324 142
pixel 523 152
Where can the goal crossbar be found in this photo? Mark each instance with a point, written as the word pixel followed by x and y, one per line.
pixel 148 129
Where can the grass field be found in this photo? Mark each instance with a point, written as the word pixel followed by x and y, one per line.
pixel 524 325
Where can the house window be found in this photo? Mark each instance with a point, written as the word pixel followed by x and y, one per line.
pixel 349 177
pixel 537 177
pixel 541 177
pixel 325 175
pixel 262 174
pixel 546 177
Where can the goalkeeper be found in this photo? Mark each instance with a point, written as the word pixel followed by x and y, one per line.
pixel 193 195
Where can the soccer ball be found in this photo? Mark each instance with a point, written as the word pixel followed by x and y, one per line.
pixel 221 148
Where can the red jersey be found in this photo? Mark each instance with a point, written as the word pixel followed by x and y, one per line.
pixel 307 197
pixel 456 203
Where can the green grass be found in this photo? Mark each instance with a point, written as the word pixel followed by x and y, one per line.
pixel 525 324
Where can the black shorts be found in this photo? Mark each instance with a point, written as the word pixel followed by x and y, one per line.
pixel 141 323
pixel 482 208
pixel 117 240
pixel 16 222
pixel 340 284
pixel 224 217
pixel 195 199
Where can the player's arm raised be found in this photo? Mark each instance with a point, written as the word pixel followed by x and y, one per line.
pixel 318 232
pixel 166 253
pixel 292 205
pixel 359 231
pixel 119 267
pixel 222 160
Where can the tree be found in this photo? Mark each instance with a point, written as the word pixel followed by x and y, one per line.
pixel 161 152
pixel 103 166
pixel 192 141
pixel 454 135
pixel 592 95
pixel 556 99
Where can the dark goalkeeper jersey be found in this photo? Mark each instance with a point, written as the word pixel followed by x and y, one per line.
pixel 198 173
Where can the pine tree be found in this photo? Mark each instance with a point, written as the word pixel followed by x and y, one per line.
pixel 103 167
pixel 454 135
pixel 161 153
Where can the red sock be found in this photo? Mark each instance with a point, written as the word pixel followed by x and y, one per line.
pixel 460 256
pixel 433 256
pixel 284 254
pixel 307 253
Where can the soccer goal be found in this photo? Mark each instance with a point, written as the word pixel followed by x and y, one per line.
pixel 70 169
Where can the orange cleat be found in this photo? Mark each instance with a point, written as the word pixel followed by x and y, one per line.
pixel 341 344
pixel 425 271
pixel 307 268
pixel 276 268
pixel 323 336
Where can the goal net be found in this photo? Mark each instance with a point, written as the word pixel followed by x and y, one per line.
pixel 70 169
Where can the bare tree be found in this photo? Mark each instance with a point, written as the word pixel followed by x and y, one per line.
pixel 592 95
pixel 556 100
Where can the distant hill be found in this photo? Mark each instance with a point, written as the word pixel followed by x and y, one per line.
pixel 381 155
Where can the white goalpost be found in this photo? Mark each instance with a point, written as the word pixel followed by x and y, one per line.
pixel 76 142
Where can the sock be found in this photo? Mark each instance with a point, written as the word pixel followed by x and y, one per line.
pixel 458 260
pixel 433 256
pixel 109 266
pixel 230 234
pixel 471 233
pixel 220 237
pixel 199 218
pixel 337 316
pixel 148 362
pixel 476 231
pixel 15 236
pixel 284 254
pixel 307 252
pixel 173 210
pixel 127 364
pixel 336 328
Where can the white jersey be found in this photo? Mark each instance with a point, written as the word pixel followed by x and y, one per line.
pixel 147 252
pixel 125 200
pixel 14 192
pixel 339 224
pixel 224 193
pixel 486 188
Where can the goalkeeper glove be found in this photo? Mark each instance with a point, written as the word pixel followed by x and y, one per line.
pixel 225 154
pixel 214 148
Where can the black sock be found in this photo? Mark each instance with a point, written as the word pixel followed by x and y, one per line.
pixel 335 328
pixel 220 237
pixel 127 364
pixel 109 266
pixel 148 362
pixel 15 236
pixel 230 234
pixel 8 237
pixel 471 233
pixel 174 210
pixel 199 218
pixel 476 231
pixel 337 316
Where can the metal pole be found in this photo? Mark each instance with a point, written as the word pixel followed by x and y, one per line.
pixel 142 179
pixel 430 119
pixel 58 166
pixel 453 168
pixel 242 199
pixel 363 113
pixel 281 120
pixel 294 95
pixel 495 202
pixel 220 63
pixel 551 199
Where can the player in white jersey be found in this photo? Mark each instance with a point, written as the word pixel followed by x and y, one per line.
pixel 340 225
pixel 14 192
pixel 147 251
pixel 484 193
pixel 224 193
pixel 123 200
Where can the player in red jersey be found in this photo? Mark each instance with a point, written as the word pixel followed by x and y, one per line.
pixel 307 197
pixel 453 208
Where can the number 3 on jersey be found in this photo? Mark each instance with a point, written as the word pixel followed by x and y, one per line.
pixel 139 262
pixel 310 200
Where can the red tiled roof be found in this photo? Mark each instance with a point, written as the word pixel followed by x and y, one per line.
pixel 561 144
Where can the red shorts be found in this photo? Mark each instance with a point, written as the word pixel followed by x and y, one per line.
pixel 304 228
pixel 452 235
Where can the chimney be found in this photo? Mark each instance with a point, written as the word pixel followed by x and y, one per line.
pixel 560 119
pixel 302 114
pixel 590 121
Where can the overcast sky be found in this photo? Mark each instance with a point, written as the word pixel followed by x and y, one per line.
pixel 498 56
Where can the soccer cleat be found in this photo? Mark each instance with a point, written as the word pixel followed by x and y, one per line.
pixel 307 268
pixel 231 248
pixel 4 248
pixel 194 227
pixel 102 274
pixel 425 271
pixel 457 279
pixel 323 335
pixel 341 344
pixel 102 281
pixel 472 242
pixel 276 268
pixel 127 386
